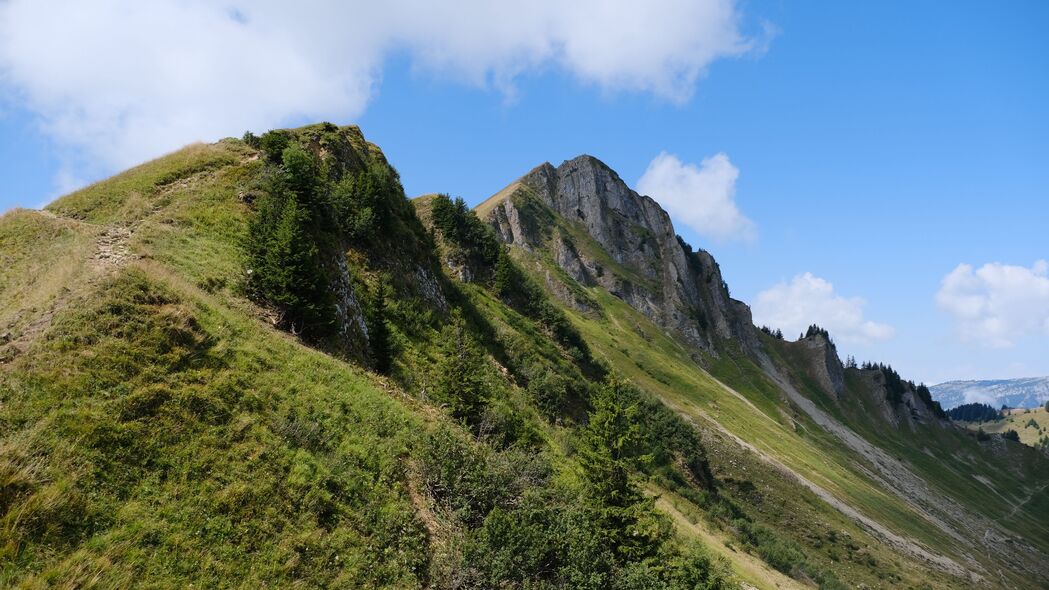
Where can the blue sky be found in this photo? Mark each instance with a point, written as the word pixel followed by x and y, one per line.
pixel 874 146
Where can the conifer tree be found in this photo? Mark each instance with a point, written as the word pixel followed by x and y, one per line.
pixel 611 442
pixel 379 344
pixel 461 373
pixel 286 271
pixel 503 280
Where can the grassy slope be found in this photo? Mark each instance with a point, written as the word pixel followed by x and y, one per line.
pixel 757 413
pixel 1018 420
pixel 998 479
pixel 154 432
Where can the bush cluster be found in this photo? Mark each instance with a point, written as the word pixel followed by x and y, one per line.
pixel 521 527
pixel 307 212
pixel 286 251
pixel 975 412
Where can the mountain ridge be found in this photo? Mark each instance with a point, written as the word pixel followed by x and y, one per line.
pixel 899 403
pixel 1024 392
pixel 521 395
pixel 651 266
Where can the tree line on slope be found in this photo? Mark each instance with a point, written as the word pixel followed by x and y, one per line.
pixel 974 412
pixel 896 387
pixel 491 474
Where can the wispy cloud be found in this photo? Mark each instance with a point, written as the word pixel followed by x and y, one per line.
pixel 807 300
pixel 997 304
pixel 702 197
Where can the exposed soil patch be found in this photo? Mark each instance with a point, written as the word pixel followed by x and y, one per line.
pixel 112 249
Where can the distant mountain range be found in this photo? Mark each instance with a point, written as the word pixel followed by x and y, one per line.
pixel 1029 392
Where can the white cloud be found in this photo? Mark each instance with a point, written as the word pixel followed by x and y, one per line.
pixel 978 396
pixel 997 304
pixel 117 81
pixel 807 300
pixel 703 197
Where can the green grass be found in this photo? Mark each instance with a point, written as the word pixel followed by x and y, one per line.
pixel 40 259
pixel 153 435
pixel 156 431
pixel 131 195
pixel 761 416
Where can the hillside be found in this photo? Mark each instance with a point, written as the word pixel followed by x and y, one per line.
pixel 1015 393
pixel 256 363
pixel 862 440
pixel 1030 425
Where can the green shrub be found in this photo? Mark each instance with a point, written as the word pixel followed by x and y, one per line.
pixel 550 392
pixel 462 372
pixel 469 480
pixel 782 554
pixel 285 267
pixel 686 568
pixel 545 539
pixel 273 144
pixel 362 203
pixel 460 226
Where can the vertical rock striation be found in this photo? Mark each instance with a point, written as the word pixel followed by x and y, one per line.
pixel 600 232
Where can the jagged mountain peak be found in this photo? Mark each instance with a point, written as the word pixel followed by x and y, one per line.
pixel 130 349
pixel 599 231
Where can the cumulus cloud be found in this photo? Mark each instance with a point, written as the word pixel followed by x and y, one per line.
pixel 997 304
pixel 117 81
pixel 702 197
pixel 807 300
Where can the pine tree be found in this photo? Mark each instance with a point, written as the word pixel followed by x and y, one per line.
pixel 461 373
pixel 611 442
pixel 379 344
pixel 286 271
pixel 504 279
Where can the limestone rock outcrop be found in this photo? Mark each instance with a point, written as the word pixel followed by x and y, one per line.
pixel 600 232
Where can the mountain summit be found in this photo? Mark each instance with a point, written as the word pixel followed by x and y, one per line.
pixel 256 363
pixel 602 233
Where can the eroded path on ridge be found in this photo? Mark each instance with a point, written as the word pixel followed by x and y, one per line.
pixel 111 252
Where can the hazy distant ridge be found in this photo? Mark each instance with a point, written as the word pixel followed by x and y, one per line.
pixel 1028 392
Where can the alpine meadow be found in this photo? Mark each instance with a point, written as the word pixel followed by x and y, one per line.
pixel 256 363
pixel 475 295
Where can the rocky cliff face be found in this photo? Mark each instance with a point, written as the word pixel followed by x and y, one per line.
pixel 825 366
pixel 600 232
